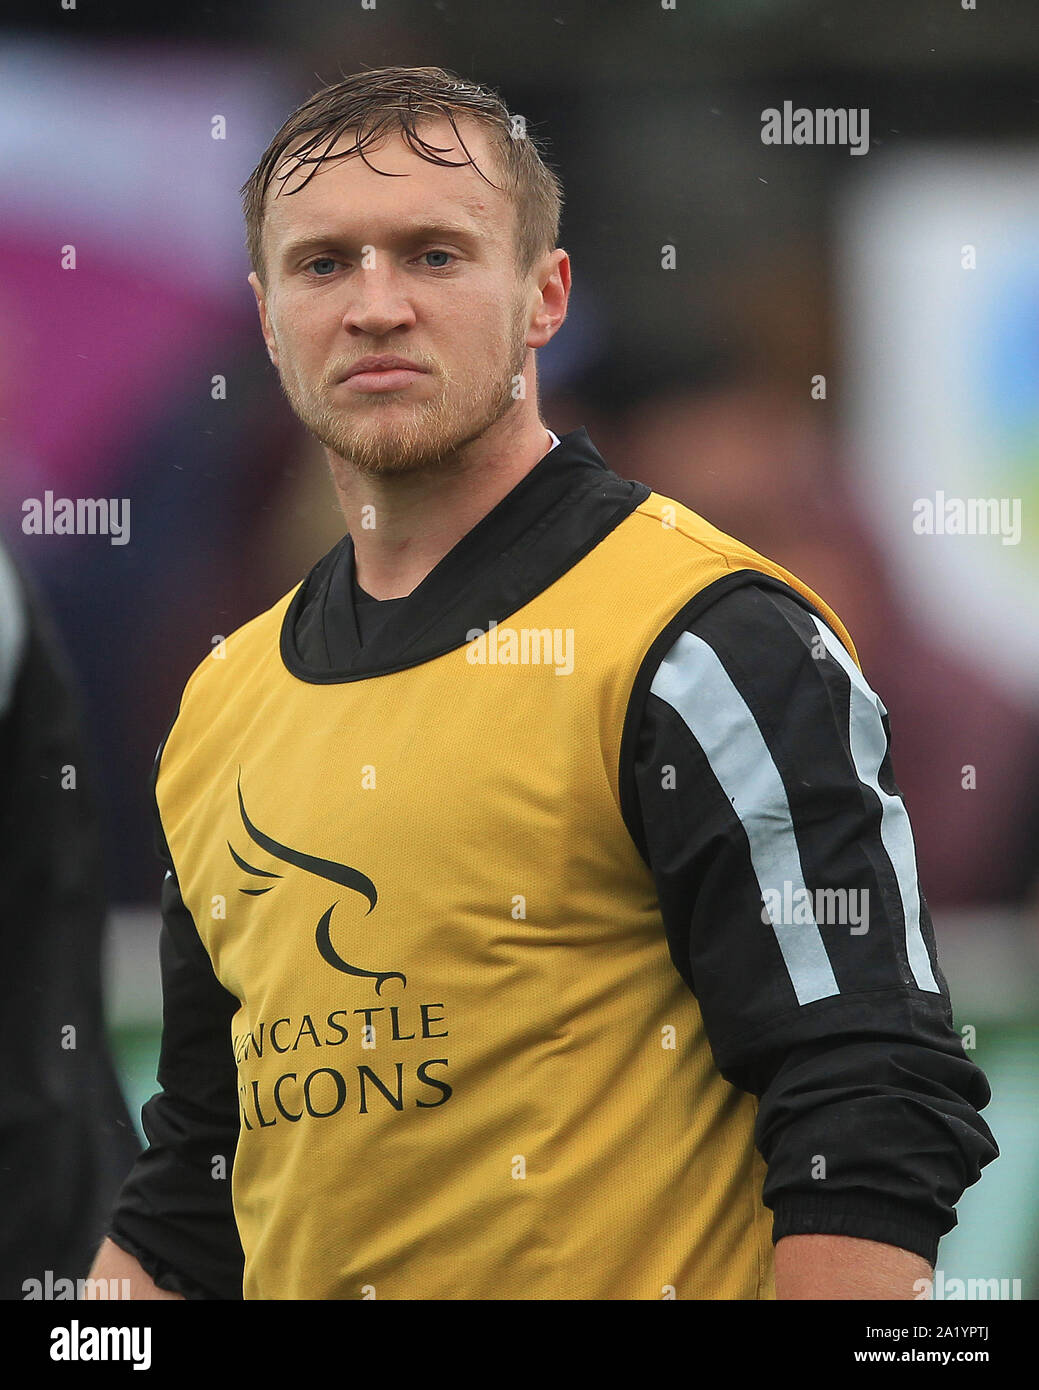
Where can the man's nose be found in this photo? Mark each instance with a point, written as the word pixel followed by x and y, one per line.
pixel 379 303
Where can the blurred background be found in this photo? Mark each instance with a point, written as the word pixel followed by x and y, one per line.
pixel 836 337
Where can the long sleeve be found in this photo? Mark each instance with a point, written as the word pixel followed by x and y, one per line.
pixel 765 804
pixel 174 1212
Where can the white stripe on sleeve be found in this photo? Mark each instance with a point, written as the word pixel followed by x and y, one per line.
pixel 868 748
pixel 694 682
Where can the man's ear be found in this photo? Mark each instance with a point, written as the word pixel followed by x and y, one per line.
pixel 265 322
pixel 553 279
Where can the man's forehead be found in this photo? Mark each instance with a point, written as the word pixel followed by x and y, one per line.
pixel 391 154
pixel 453 195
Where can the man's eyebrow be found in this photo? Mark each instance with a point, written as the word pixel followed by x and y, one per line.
pixel 407 233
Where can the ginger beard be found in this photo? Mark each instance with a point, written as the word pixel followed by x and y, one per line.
pixel 386 432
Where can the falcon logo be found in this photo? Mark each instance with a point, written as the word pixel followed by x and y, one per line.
pixel 322 868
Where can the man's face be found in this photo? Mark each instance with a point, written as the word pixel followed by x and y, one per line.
pixel 421 267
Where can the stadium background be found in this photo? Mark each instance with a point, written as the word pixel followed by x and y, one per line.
pixel 791 264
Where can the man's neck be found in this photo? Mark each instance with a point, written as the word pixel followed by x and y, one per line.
pixel 420 517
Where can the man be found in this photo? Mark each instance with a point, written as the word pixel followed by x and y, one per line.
pixel 495 851
pixel 67 1140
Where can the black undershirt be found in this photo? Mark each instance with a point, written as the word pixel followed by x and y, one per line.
pixel 371 612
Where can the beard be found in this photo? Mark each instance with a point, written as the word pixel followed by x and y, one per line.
pixel 385 435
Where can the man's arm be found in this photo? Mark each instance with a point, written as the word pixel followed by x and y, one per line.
pixel 829 1005
pixel 174 1214
pixel 173 1228
pixel 114 1268
pixel 844 1267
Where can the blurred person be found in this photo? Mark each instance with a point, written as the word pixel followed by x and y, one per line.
pixel 475 981
pixel 66 1137
pixel 763 465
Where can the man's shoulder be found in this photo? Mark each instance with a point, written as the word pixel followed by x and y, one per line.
pixel 728 575
pixel 675 540
pixel 666 519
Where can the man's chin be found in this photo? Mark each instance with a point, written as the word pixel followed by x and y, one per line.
pixel 384 463
pixel 377 446
pixel 417 445
pixel 388 440
pixel 386 451
pixel 390 446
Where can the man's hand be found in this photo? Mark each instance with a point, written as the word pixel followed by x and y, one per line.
pixel 828 1267
pixel 114 1263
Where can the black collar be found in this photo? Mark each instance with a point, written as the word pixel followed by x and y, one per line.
pixel 556 514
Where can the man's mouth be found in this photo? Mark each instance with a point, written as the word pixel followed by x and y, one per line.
pixel 384 372
pixel 391 379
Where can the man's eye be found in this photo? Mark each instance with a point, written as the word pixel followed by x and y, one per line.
pixel 314 266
